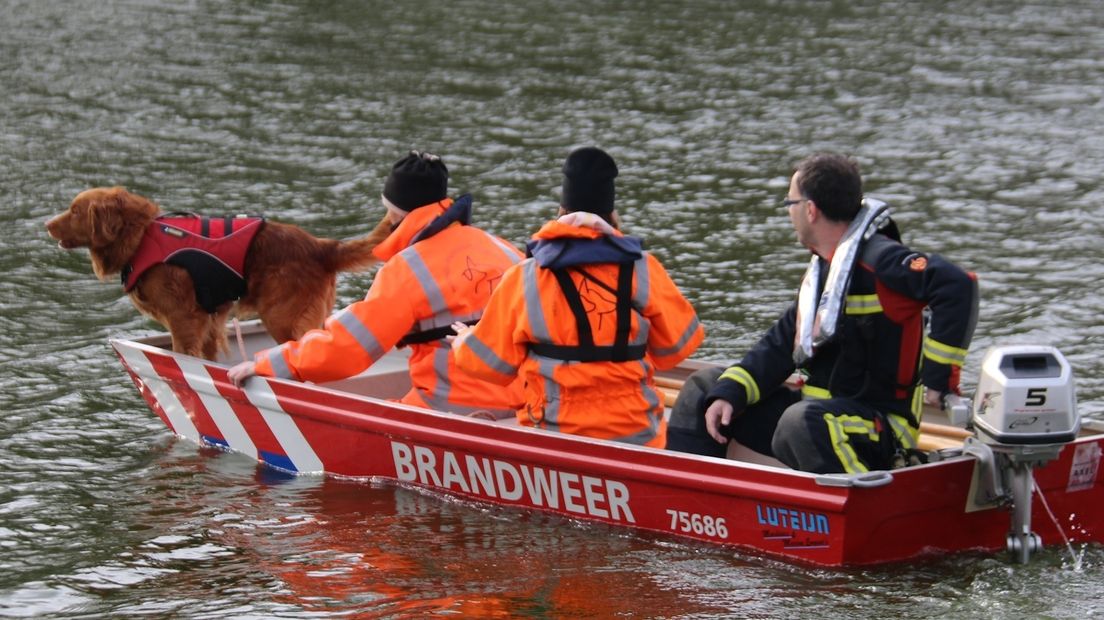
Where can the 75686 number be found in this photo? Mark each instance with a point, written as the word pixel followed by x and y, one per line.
pixel 698 524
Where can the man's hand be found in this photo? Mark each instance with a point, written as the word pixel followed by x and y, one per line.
pixel 717 415
pixel 933 398
pixel 462 330
pixel 239 373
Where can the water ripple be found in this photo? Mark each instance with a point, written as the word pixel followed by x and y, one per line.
pixel 973 119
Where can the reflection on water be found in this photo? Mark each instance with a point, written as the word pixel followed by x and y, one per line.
pixel 213 537
pixel 975 120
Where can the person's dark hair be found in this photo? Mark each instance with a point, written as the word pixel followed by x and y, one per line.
pixel 833 182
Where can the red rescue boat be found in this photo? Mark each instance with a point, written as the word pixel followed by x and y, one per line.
pixel 969 497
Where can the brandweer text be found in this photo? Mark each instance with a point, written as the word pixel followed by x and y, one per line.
pixel 586 495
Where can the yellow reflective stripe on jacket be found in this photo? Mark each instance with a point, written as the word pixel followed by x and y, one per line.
pixel 743 377
pixel 863 304
pixel 812 391
pixel 944 353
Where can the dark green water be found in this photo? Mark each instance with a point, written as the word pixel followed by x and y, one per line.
pixel 979 121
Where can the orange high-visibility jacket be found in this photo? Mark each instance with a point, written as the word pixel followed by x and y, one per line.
pixel 437 270
pixel 615 400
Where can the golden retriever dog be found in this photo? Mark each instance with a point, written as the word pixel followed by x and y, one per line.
pixel 290 275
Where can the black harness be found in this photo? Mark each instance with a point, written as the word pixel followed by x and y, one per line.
pixel 430 335
pixel 586 350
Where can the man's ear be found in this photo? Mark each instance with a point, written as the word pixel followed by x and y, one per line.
pixel 812 212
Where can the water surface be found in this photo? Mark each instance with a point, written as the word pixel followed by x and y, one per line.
pixel 977 121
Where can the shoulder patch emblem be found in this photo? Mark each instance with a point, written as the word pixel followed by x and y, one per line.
pixel 918 263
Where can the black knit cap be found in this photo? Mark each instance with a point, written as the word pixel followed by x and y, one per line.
pixel 588 181
pixel 416 180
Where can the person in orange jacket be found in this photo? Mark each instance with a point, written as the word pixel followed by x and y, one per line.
pixel 585 320
pixel 438 269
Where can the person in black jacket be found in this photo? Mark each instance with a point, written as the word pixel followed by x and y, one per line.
pixel 859 335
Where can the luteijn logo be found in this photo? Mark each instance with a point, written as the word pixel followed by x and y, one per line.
pixel 790 519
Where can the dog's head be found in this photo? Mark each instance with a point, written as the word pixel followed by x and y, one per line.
pixel 98 216
pixel 100 219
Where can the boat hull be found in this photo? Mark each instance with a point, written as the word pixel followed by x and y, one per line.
pixel 801 517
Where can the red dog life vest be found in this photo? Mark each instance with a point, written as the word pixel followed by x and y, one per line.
pixel 211 249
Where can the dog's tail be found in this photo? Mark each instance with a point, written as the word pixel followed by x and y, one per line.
pixel 356 254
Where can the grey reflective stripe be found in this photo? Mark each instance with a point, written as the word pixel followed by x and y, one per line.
pixel 640 300
pixel 489 357
pixel 643 283
pixel 683 339
pixel 550 415
pixel 432 292
pixel 655 412
pixel 534 310
pixel 443 390
pixel 637 439
pixel 645 328
pixel 445 319
pixel 655 403
pixel 440 398
pixel 464 409
pixel 507 249
pixel 280 368
pixel 641 438
pixel 360 332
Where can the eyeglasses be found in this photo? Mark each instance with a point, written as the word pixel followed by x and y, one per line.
pixel 789 202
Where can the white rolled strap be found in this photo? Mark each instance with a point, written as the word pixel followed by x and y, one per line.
pixel 818 314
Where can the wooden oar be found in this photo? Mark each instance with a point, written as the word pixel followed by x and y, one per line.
pixel 932 436
pixel 927 442
pixel 667 382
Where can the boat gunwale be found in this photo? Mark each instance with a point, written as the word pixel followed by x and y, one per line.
pixel 708 474
pixel 701 480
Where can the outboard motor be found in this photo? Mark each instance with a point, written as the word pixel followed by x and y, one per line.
pixel 1024 413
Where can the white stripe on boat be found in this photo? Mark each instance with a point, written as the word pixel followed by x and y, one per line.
pixel 178 416
pixel 195 373
pixel 283 427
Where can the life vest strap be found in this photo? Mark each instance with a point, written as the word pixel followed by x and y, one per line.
pixel 586 350
pixel 429 335
pixel 571 353
pixel 624 309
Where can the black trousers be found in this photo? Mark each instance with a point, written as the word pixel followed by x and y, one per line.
pixel 834 435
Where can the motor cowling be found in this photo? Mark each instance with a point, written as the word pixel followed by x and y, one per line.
pixel 1025 400
pixel 1024 413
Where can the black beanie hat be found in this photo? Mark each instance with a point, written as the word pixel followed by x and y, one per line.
pixel 588 181
pixel 416 180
